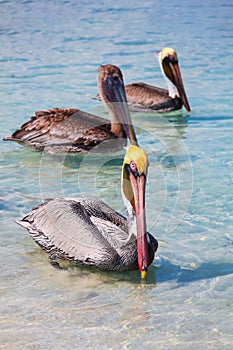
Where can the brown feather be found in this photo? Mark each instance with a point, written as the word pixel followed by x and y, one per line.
pixel 72 130
pixel 141 96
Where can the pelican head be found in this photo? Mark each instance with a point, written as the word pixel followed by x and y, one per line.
pixel 168 61
pixel 134 172
pixel 112 93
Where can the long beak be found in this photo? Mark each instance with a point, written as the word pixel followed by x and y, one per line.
pixel 179 83
pixel 139 185
pixel 114 91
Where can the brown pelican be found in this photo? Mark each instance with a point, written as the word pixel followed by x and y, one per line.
pixel 144 97
pixel 89 232
pixel 72 130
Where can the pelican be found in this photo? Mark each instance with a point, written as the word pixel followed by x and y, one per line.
pixel 89 232
pixel 144 97
pixel 75 131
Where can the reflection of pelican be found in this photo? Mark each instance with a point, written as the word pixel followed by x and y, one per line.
pixel 72 130
pixel 88 232
pixel 144 97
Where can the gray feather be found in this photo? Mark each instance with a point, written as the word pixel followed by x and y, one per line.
pixel 84 231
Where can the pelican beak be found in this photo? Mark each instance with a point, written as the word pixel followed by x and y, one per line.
pixel 177 80
pixel 114 91
pixel 139 185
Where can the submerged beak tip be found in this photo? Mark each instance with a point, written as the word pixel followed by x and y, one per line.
pixel 143 274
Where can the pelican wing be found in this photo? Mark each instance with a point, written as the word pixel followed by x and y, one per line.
pixel 62 126
pixel 64 229
pixel 144 96
pixel 111 225
pixel 74 229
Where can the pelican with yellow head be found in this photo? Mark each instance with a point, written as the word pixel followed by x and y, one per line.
pixel 89 232
pixel 144 97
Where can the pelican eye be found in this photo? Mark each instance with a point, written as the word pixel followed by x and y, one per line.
pixel 133 168
pixel 172 58
pixel 133 165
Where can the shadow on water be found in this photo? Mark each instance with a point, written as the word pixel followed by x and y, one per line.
pixel 174 123
pixel 72 161
pixel 169 271
pixel 166 272
pixel 156 276
pixel 132 277
pixel 28 157
pixel 39 260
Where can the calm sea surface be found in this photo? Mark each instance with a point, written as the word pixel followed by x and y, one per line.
pixel 50 54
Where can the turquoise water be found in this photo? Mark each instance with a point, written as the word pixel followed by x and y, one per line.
pixel 50 54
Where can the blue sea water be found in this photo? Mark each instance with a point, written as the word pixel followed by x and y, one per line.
pixel 50 54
